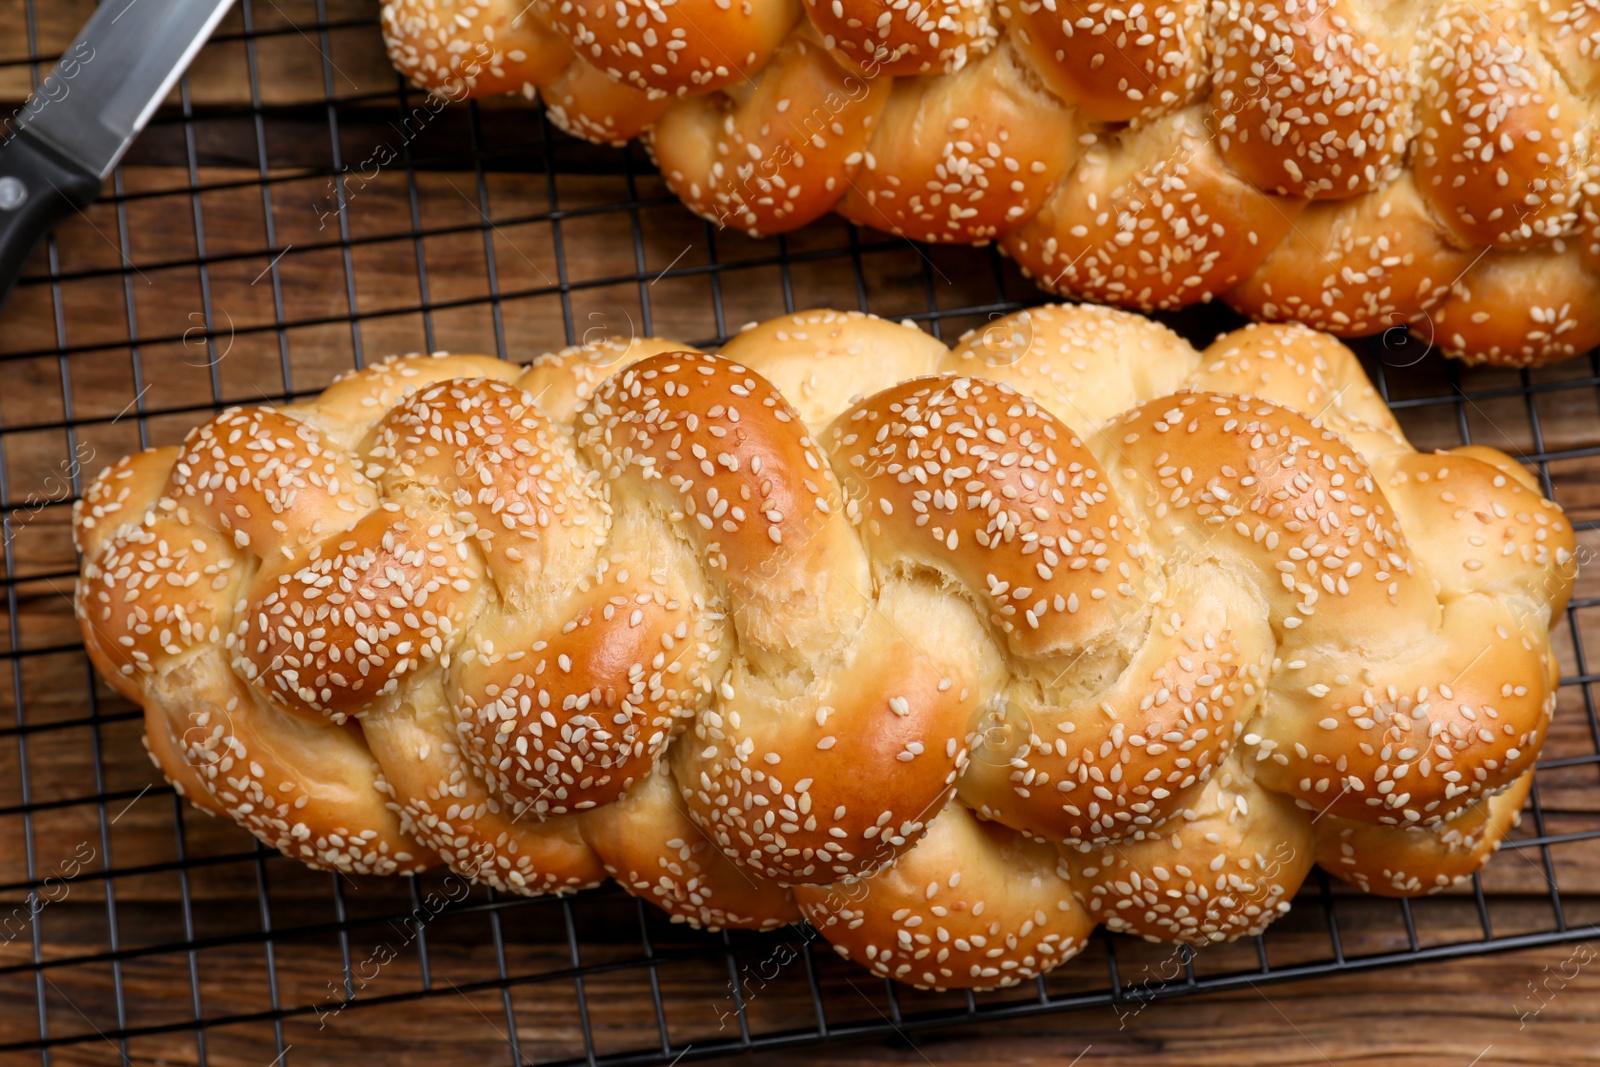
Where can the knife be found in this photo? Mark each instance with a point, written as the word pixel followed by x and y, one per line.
pixel 72 131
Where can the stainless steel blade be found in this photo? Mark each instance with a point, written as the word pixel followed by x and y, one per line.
pixel 120 68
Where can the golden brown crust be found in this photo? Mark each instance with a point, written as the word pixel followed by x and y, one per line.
pixel 1151 218
pixel 775 156
pixel 461 48
pixel 117 527
pixel 963 156
pixel 1521 309
pixel 1113 61
pixel 1225 869
pixel 1414 736
pixel 563 381
pixel 1310 99
pixel 365 609
pixel 803 356
pixel 290 488
pixel 583 101
pixel 874 37
pixel 1503 142
pixel 1384 710
pixel 312 791
pixel 835 623
pixel 974 904
pixel 1423 860
pixel 1330 162
pixel 700 437
pixel 1051 563
pixel 838 777
pixel 569 714
pixel 1481 525
pixel 1124 759
pixel 1368 264
pixel 1081 363
pixel 684 48
pixel 443 802
pixel 655 850
pixel 1310 372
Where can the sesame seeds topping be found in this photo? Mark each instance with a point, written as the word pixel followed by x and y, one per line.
pixel 1149 154
pixel 961 462
pixel 951 674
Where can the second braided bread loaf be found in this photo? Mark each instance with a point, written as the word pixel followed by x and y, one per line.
pixel 1355 166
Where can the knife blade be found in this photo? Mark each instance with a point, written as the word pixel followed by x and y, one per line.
pixel 76 126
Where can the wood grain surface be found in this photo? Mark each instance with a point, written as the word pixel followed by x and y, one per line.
pixel 162 303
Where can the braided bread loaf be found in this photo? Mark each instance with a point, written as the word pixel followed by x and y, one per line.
pixel 953 653
pixel 1353 166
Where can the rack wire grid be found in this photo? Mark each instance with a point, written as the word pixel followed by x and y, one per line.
pixel 226 264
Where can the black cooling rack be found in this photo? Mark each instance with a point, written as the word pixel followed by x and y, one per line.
pixel 157 900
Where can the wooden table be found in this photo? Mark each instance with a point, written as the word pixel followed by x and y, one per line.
pixel 77 393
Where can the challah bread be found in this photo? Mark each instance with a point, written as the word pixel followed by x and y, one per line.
pixel 1355 166
pixel 955 653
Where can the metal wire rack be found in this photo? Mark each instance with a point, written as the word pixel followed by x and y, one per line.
pixel 227 264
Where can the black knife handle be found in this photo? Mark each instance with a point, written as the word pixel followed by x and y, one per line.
pixel 38 188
